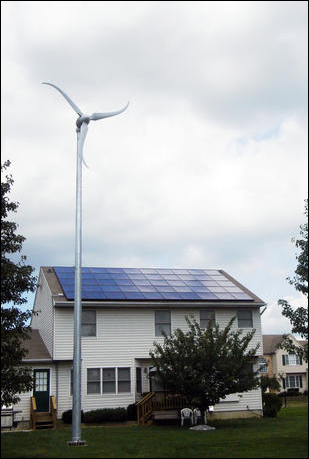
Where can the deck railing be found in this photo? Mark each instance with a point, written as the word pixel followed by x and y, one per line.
pixel 155 401
pixel 167 401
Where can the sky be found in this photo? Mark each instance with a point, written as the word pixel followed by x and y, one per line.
pixel 207 168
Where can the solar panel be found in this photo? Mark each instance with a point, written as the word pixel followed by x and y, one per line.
pixel 151 284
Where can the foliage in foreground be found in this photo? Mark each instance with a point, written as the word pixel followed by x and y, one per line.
pixel 272 404
pixel 299 316
pixel 16 279
pixel 206 365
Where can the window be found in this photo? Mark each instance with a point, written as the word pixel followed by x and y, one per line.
pixel 262 365
pixel 124 380
pixel 206 316
pixel 93 381
pixel 293 382
pixel 138 380
pixel 88 323
pixel 291 359
pixel 109 380
pixel 245 318
pixel 162 322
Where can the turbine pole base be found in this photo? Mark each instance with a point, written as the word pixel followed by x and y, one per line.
pixel 77 443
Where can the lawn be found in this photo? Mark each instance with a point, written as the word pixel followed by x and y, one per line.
pixel 281 437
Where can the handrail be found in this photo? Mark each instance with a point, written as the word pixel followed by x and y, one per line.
pixel 144 407
pixel 145 398
pixel 53 409
pixel 33 410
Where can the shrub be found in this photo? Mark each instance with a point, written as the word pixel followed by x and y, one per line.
pixel 106 415
pixel 290 393
pixel 293 392
pixel 271 405
pixel 67 417
pixel 132 412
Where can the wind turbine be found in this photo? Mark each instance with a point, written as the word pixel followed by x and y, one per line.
pixel 81 129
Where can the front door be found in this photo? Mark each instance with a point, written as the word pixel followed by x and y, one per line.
pixel 41 389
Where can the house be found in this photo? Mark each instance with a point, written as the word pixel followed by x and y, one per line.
pixel 123 312
pixel 290 369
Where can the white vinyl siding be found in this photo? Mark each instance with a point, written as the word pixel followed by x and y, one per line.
pixel 122 337
pixel 44 309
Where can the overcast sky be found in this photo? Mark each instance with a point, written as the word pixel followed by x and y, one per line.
pixel 207 168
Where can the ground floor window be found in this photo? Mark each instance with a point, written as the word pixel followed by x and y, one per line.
pixel 293 382
pixel 93 381
pixel 108 380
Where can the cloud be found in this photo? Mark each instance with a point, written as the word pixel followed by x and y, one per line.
pixel 207 167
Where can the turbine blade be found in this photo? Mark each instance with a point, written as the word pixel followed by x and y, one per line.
pixel 74 106
pixel 81 140
pixel 99 116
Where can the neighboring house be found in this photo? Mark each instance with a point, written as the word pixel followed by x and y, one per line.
pixel 290 369
pixel 124 312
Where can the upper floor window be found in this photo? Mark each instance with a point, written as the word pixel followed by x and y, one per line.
pixel 206 316
pixel 291 359
pixel 245 319
pixel 162 322
pixel 88 322
pixel 262 365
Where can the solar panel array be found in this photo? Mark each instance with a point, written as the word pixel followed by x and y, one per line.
pixel 151 284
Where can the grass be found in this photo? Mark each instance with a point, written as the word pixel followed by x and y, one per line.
pixel 281 437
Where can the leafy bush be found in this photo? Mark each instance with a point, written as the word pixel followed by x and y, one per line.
pixel 293 392
pixel 290 393
pixel 67 417
pixel 106 415
pixel 271 405
pixel 132 412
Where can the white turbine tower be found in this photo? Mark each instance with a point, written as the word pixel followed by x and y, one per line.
pixel 82 128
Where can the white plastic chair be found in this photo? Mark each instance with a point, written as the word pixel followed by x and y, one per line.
pixel 196 414
pixel 186 413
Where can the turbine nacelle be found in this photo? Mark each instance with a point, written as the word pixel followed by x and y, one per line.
pixel 82 119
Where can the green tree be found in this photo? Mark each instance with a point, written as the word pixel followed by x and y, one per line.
pixel 206 365
pixel 16 279
pixel 271 383
pixel 299 316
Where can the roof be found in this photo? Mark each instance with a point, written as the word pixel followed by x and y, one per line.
pixel 270 342
pixel 148 285
pixel 36 347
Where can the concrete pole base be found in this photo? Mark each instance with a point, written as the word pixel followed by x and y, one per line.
pixel 77 443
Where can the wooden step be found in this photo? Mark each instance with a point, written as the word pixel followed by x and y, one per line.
pixel 165 414
pixel 44 421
